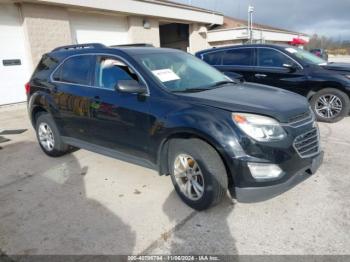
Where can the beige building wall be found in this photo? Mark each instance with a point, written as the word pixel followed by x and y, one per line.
pixel 197 39
pixel 139 34
pixel 46 27
pixel 225 43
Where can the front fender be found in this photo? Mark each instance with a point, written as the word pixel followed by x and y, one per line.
pixel 212 125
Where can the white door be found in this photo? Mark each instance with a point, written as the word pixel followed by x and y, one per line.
pixel 14 66
pixel 95 28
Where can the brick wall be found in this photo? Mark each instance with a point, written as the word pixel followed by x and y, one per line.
pixel 139 34
pixel 46 27
pixel 198 41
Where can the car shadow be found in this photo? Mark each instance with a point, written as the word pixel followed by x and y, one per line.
pixel 205 232
pixel 49 212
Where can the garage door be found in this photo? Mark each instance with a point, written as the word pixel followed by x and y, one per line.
pixel 105 29
pixel 14 71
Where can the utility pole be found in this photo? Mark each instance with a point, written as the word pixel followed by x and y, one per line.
pixel 250 23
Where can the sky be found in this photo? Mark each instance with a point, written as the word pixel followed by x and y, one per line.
pixel 324 17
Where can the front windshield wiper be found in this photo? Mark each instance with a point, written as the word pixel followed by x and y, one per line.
pixel 191 90
pixel 210 87
pixel 224 82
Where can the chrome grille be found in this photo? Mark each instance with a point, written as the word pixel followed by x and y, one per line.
pixel 299 117
pixel 308 144
pixel 302 119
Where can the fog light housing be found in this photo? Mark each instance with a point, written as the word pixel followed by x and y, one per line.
pixel 262 171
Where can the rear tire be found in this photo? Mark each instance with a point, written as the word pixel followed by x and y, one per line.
pixel 330 105
pixel 208 179
pixel 49 137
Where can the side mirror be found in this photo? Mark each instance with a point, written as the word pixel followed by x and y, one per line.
pixel 291 67
pixel 130 86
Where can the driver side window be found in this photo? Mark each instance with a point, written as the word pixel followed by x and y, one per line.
pixel 272 58
pixel 109 70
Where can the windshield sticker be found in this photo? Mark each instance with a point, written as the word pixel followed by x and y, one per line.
pixel 165 75
pixel 291 50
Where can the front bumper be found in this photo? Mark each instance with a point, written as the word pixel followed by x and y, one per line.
pixel 264 192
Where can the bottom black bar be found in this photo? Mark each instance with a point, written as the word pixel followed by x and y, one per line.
pixel 190 258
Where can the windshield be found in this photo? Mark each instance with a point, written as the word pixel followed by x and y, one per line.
pixel 181 72
pixel 306 56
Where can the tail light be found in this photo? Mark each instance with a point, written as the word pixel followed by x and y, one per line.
pixel 27 88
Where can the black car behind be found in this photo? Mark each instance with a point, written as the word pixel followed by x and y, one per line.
pixel 326 85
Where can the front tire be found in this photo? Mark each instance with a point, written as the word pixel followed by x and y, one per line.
pixel 330 105
pixel 197 172
pixel 48 136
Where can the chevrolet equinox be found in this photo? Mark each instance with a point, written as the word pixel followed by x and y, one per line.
pixel 170 111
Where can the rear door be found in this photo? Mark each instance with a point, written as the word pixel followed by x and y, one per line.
pixel 73 95
pixel 272 70
pixel 234 62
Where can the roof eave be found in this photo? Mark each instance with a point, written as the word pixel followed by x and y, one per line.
pixel 153 8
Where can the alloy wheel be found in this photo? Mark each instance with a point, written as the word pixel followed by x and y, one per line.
pixel 188 176
pixel 328 106
pixel 46 137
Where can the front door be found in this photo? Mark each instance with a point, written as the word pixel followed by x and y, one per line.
pixel 120 121
pixel 276 69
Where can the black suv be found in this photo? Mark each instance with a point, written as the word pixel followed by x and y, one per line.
pixel 326 85
pixel 169 111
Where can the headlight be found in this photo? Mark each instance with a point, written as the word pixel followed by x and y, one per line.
pixel 261 128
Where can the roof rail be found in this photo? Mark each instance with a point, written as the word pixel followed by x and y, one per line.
pixel 134 45
pixel 78 46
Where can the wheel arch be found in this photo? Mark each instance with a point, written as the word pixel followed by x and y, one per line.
pixel 35 113
pixel 162 155
pixel 314 90
pixel 38 102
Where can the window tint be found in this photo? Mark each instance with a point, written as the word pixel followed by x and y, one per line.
pixel 272 58
pixel 240 57
pixel 109 71
pixel 46 64
pixel 75 70
pixel 213 58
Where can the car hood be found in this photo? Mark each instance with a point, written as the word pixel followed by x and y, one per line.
pixel 338 67
pixel 254 98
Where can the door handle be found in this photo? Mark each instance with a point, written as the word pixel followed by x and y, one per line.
pixel 260 75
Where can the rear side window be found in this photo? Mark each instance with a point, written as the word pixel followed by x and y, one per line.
pixel 46 65
pixel 239 57
pixel 213 58
pixel 75 70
